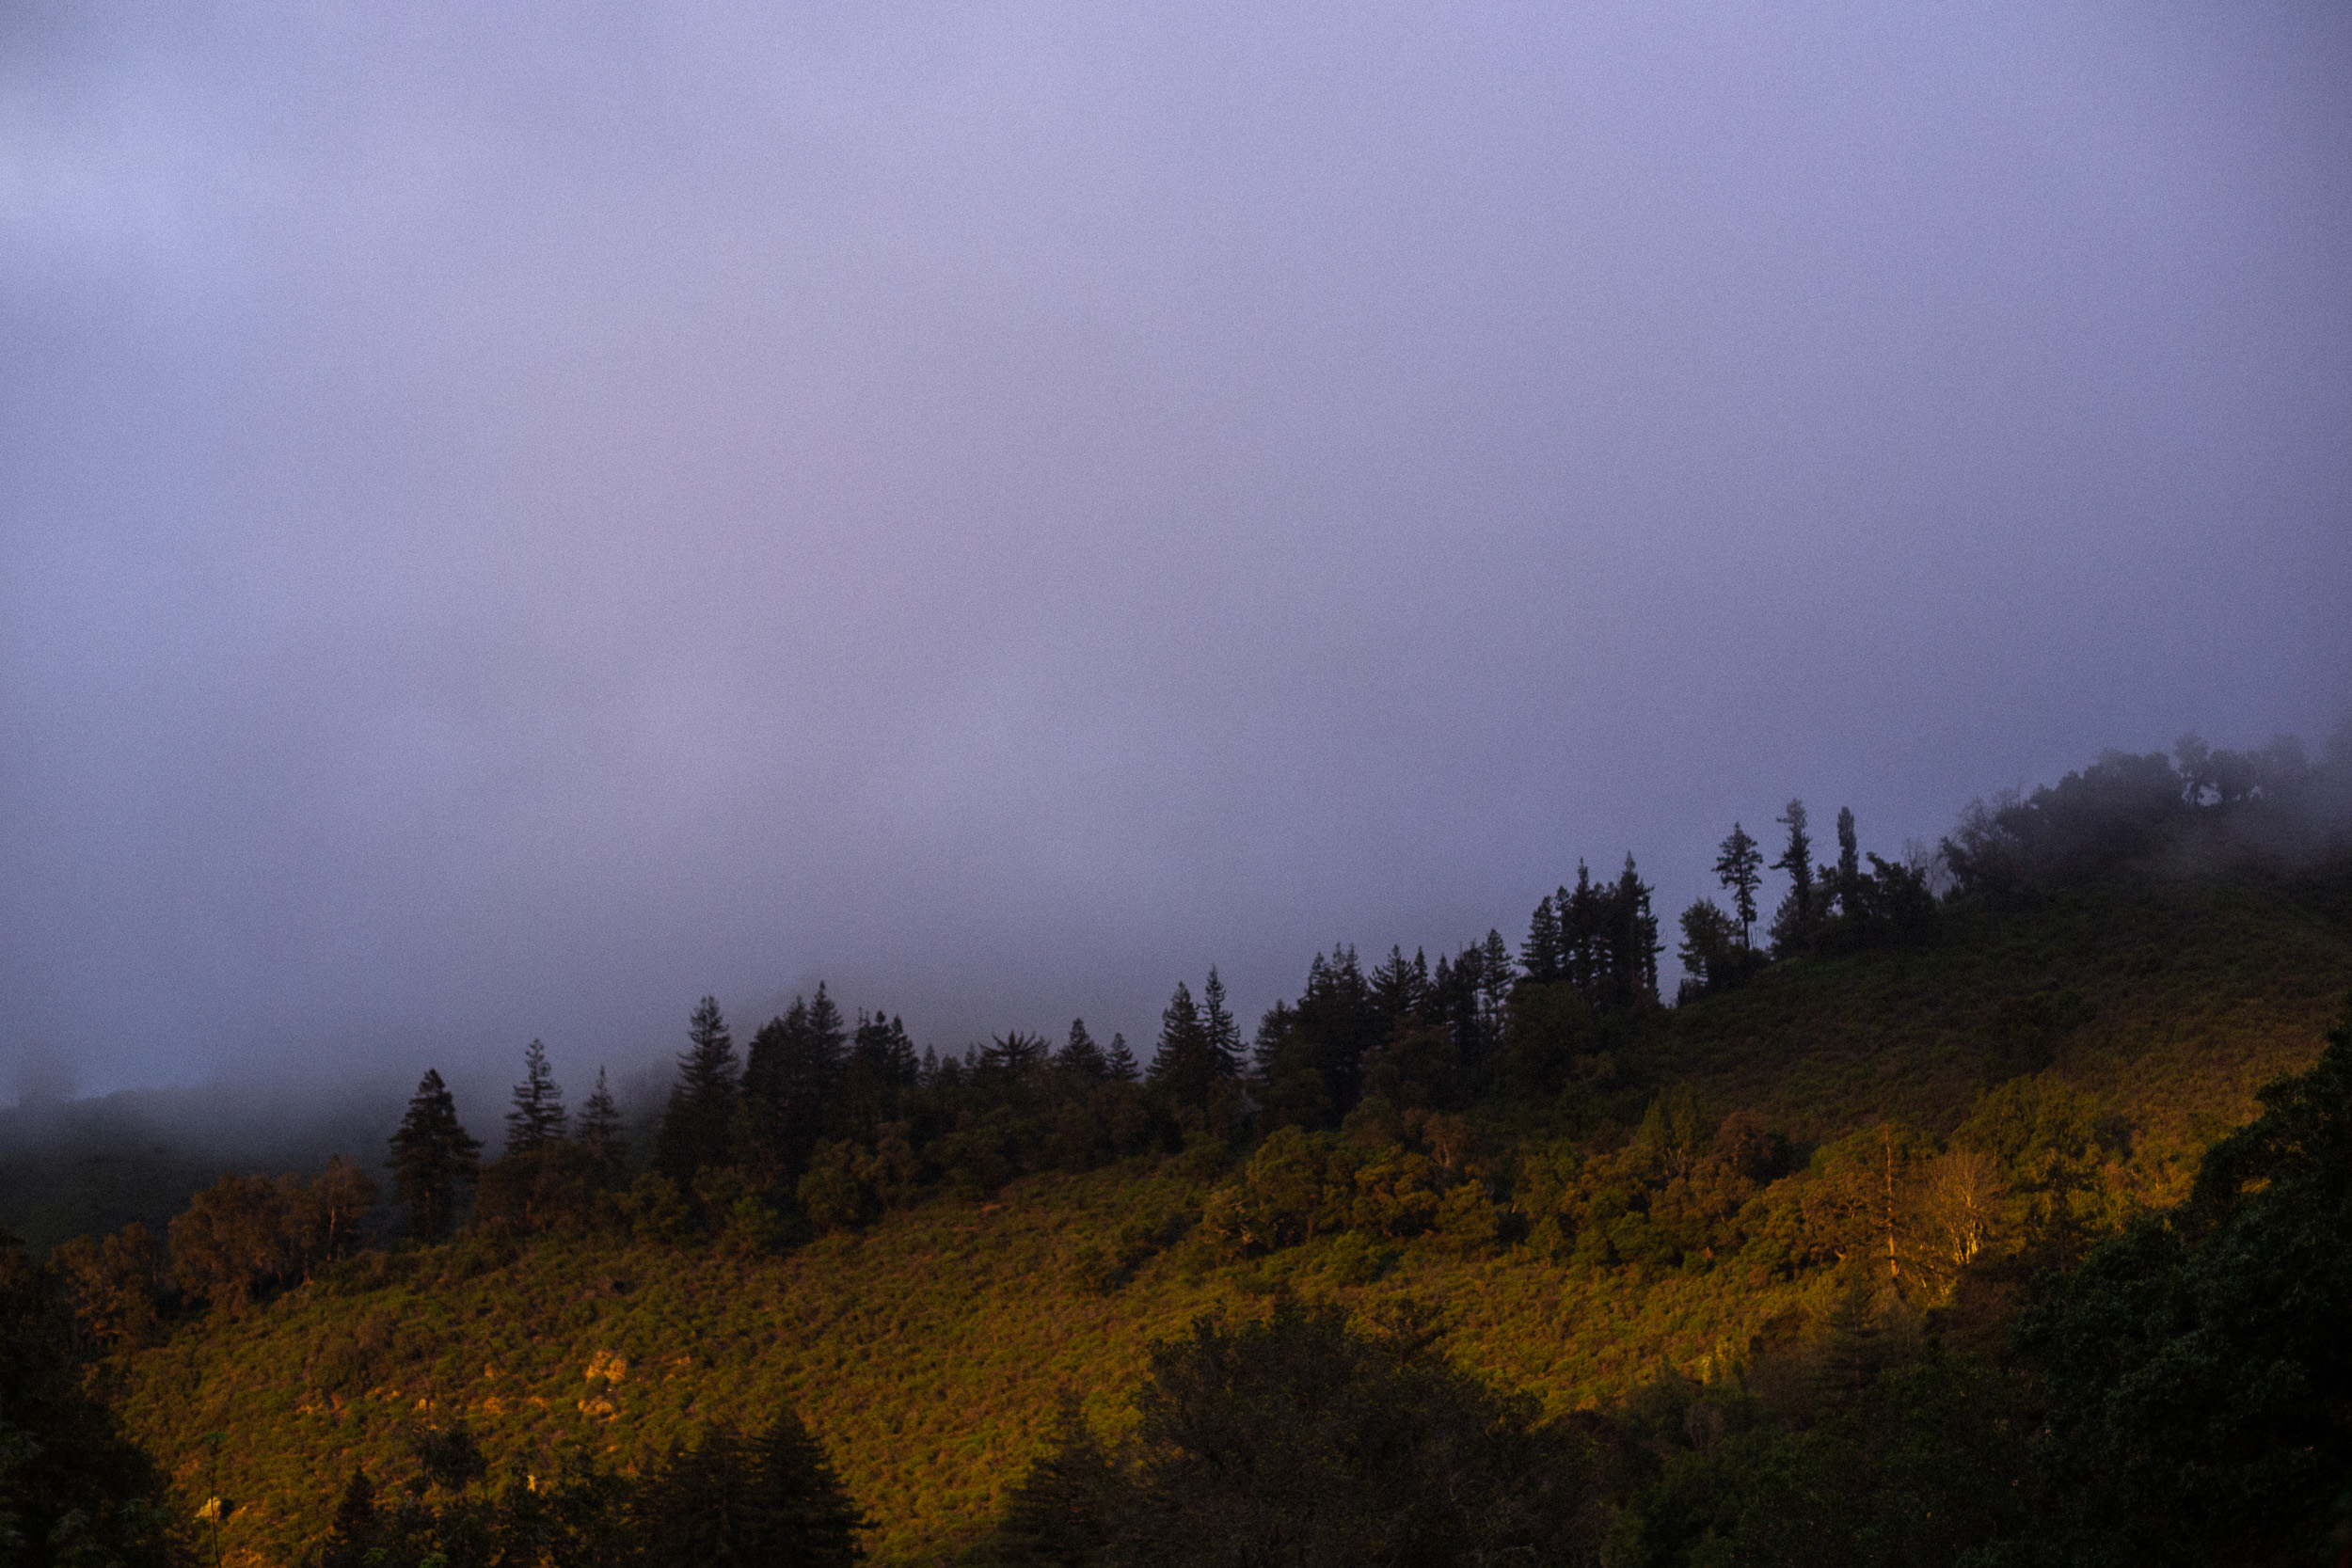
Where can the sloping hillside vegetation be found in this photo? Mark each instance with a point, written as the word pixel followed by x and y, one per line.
pixel 1751 1257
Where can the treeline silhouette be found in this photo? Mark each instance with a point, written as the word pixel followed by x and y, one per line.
pixel 769 1497
pixel 1484 1101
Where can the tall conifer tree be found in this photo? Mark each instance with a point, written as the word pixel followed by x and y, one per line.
pixel 1400 986
pixel 1540 954
pixel 1496 975
pixel 433 1157
pixel 537 1117
pixel 1740 869
pixel 1187 1065
pixel 793 1078
pixel 881 1069
pixel 1121 1060
pixel 697 1127
pixel 1849 892
pixel 1081 1057
pixel 1793 926
pixel 602 1136
pixel 1216 1019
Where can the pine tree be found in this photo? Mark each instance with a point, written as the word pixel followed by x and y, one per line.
pixel 1496 975
pixel 1711 946
pixel 1633 945
pixel 1740 869
pixel 1335 1025
pixel 1224 1034
pixel 354 1534
pixel 824 1026
pixel 1849 890
pixel 1081 1057
pixel 433 1156
pixel 881 1069
pixel 1400 986
pixel 1013 1058
pixel 1187 1065
pixel 538 1116
pixel 804 1513
pixel 773 1499
pixel 1584 915
pixel 1274 1028
pixel 793 1078
pixel 1540 954
pixel 1793 926
pixel 601 1135
pixel 1121 1060
pixel 697 1127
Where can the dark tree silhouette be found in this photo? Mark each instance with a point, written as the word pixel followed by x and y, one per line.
pixel 697 1127
pixel 1121 1060
pixel 773 1499
pixel 1540 954
pixel 2200 1380
pixel 433 1158
pixel 1313 1071
pixel 1081 1057
pixel 1852 888
pixel 880 1071
pixel 1217 1020
pixel 1793 924
pixel 1189 1062
pixel 602 1136
pixel 1400 986
pixel 537 1117
pixel 791 1081
pixel 1740 869
pixel 1294 1441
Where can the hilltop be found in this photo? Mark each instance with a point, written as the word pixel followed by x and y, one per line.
pixel 928 1348
pixel 1849 1154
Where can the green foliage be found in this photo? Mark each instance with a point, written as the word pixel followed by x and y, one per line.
pixel 2197 1369
pixel 74 1488
pixel 1846 1141
pixel 537 1115
pixel 731 1500
pixel 1292 1439
pixel 433 1159
pixel 698 1126
pixel 1923 1465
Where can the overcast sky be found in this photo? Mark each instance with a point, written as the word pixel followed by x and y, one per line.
pixel 513 518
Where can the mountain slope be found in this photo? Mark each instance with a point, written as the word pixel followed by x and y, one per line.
pixel 928 1351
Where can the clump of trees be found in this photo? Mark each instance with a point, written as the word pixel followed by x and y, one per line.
pixel 1300 1439
pixel 769 1497
pixel 2126 808
pixel 73 1488
pixel 2197 1374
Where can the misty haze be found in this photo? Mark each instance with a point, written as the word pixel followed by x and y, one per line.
pixel 1549 623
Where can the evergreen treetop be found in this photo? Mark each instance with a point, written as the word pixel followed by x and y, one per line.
pixel 1217 1021
pixel 697 1126
pixel 1121 1060
pixel 1187 1063
pixel 1740 869
pixel 538 1116
pixel 432 1156
pixel 601 1133
pixel 1081 1057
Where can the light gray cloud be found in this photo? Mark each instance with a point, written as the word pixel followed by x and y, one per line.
pixel 509 523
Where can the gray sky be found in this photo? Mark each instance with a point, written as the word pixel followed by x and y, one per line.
pixel 512 519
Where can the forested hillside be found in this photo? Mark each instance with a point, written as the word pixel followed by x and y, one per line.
pixel 1771 1242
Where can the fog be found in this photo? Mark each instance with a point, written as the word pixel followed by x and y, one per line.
pixel 510 523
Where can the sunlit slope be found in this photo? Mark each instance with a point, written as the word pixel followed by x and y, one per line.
pixel 928 1353
pixel 2172 999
